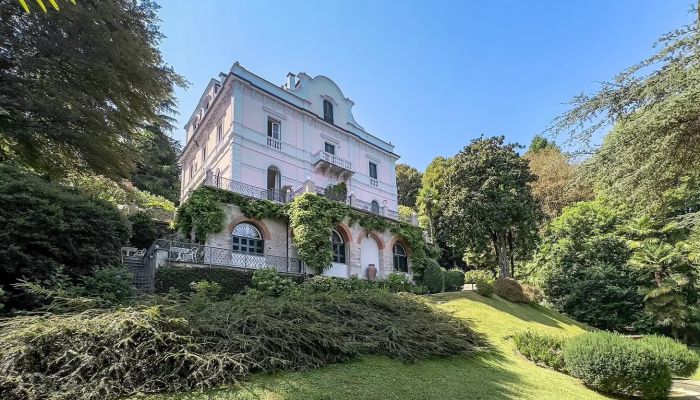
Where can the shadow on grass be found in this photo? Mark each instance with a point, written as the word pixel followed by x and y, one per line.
pixel 482 376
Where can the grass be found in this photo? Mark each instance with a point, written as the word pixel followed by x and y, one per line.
pixel 501 375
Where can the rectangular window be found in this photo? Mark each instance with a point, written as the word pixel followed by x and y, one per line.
pixel 330 148
pixel 219 133
pixel 191 171
pixel 273 129
pixel 373 170
pixel 327 111
pixel 204 153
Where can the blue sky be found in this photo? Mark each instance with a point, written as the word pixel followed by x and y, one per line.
pixel 428 76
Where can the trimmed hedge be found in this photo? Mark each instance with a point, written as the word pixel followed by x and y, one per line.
pixel 232 281
pixel 454 280
pixel 532 293
pixel 510 289
pixel 613 364
pixel 681 360
pixel 434 277
pixel 541 348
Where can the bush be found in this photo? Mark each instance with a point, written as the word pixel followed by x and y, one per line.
pixel 433 277
pixel 541 348
pixel 205 291
pixel 475 275
pixel 270 282
pixel 613 364
pixel 681 360
pixel 321 283
pixel 397 282
pixel 232 281
pixel 112 283
pixel 510 289
pixel 46 226
pixel 532 293
pixel 483 280
pixel 185 346
pixel 454 280
pixel 143 230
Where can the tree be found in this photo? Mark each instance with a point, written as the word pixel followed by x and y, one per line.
pixel 77 87
pixel 487 200
pixel 557 184
pixel 540 143
pixel 653 109
pixel 157 170
pixel 432 187
pixel 582 268
pixel 408 183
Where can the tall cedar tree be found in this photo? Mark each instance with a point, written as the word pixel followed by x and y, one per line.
pixel 78 86
pixel 408 183
pixel 157 170
pixel 487 201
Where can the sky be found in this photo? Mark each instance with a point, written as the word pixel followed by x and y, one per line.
pixel 427 76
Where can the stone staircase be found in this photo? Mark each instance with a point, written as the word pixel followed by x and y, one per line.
pixel 134 260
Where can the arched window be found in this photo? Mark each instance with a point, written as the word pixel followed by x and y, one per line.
pixel 338 248
pixel 374 208
pixel 247 239
pixel 274 181
pixel 218 177
pixel 400 259
pixel 327 111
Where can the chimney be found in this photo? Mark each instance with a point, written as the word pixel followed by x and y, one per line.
pixel 291 81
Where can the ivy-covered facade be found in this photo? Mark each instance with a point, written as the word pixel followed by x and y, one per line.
pixel 328 236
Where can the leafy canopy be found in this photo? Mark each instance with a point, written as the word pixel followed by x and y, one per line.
pixel 408 183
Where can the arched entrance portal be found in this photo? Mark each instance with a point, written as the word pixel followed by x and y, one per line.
pixel 369 255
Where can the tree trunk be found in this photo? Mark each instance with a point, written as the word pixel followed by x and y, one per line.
pixel 511 252
pixel 500 245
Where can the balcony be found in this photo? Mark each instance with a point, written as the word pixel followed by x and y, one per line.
pixel 327 162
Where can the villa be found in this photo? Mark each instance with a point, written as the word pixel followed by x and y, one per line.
pixel 274 142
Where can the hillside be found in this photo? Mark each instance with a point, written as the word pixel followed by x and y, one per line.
pixel 502 375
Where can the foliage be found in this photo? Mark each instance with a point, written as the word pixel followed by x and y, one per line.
pixel 157 169
pixel 475 275
pixel 205 292
pixel 434 277
pixel 312 218
pixel 540 143
pixel 510 289
pixel 431 191
pixel 558 184
pixel 532 293
pixel 454 280
pixel 484 286
pixel 184 346
pixel 322 283
pixel 143 230
pixel 487 201
pixel 338 192
pixel 541 348
pixel 408 183
pixel 617 365
pixel 79 85
pixel 46 226
pixel 583 268
pixel 405 212
pixel 652 107
pixel 232 281
pixel 397 282
pixel 681 360
pixel 270 282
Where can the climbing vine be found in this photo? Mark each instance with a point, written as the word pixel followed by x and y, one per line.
pixel 310 216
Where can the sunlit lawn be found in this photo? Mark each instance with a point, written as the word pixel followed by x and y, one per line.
pixel 501 375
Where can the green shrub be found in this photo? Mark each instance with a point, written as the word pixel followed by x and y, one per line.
pixel 613 364
pixel 270 282
pixel 541 348
pixel 510 289
pixel 434 277
pixel 206 291
pixel 483 280
pixel 681 360
pixel 397 282
pixel 143 230
pixel 184 346
pixel 454 280
pixel 475 275
pixel 532 293
pixel 112 283
pixel 232 281
pixel 47 226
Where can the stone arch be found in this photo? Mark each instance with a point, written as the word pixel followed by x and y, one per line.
pixel 402 241
pixel 344 232
pixel 264 231
pixel 376 237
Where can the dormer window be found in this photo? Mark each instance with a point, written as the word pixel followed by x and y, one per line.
pixel 327 111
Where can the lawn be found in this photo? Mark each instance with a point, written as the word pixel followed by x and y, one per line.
pixel 501 375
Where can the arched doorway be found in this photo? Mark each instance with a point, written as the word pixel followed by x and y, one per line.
pixel 369 255
pixel 274 182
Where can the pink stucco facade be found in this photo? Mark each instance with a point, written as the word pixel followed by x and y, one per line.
pixel 229 133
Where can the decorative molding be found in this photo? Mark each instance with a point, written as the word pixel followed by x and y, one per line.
pixel 275 113
pixel 331 139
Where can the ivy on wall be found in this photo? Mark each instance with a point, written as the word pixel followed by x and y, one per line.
pixel 310 216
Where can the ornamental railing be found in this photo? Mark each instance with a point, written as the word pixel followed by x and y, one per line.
pixel 277 195
pixel 193 253
pixel 332 159
pixel 274 143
